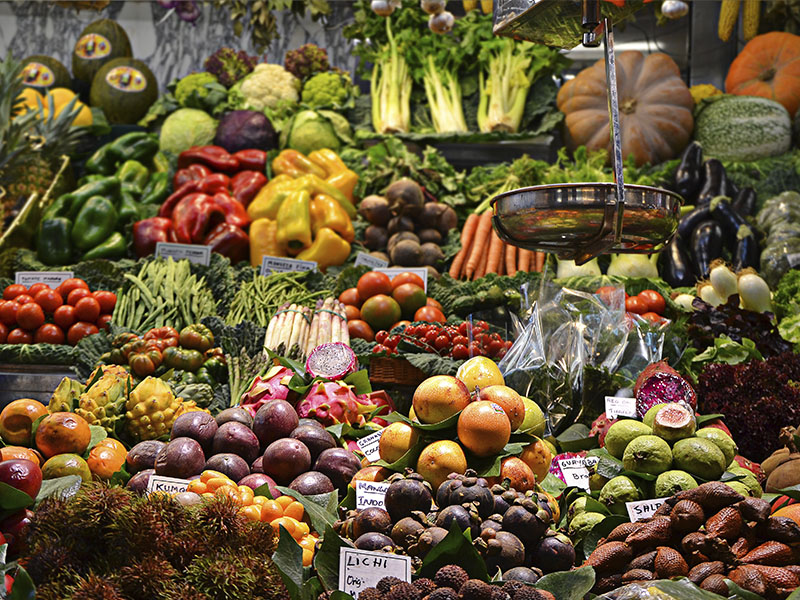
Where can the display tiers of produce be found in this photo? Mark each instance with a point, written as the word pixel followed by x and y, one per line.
pixel 298 347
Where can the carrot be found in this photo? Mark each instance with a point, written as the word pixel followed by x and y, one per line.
pixel 511 260
pixel 501 270
pixel 467 233
pixel 470 225
pixel 495 253
pixel 481 270
pixel 479 244
pixel 458 262
pixel 540 257
pixel 524 260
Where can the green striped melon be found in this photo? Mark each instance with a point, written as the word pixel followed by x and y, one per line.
pixel 743 128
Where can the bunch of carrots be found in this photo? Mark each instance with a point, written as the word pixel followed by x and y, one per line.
pixel 482 252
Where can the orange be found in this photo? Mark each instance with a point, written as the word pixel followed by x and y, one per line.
pixel 19 452
pixel 209 474
pixel 114 445
pixel 538 457
pixel 63 432
pixel 294 510
pixel 104 462
pixel 251 512
pixel 439 459
pixel 270 510
pixel 483 427
pixel 284 501
pixel 17 418
pixel 396 440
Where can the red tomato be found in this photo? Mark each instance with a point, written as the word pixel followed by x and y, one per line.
pixel 107 300
pixel 350 296
pixel 103 322
pixel 86 309
pixel 19 336
pixel 381 336
pixel 634 304
pixel 78 294
pixel 49 300
pixel 23 299
pixel 79 331
pixel 460 352
pixel 607 293
pixel 64 316
pixel 653 300
pixel 3 333
pixel 14 290
pixel 653 317
pixel 70 284
pixel 49 334
pixel 360 329
pixel 30 316
pixel 403 323
pixel 406 277
pixel 36 288
pixel 8 313
pixel 434 304
pixel 430 314
pixel 374 283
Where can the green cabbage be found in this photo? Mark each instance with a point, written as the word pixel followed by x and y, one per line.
pixel 185 128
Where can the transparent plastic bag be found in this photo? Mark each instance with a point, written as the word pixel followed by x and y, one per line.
pixel 779 209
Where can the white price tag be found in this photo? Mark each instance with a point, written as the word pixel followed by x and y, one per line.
pixel 360 569
pixel 373 262
pixel 394 271
pixel 616 407
pixel 170 485
pixel 370 493
pixel 643 509
pixel 49 278
pixel 279 264
pixel 194 253
pixel 369 445
pixel 575 472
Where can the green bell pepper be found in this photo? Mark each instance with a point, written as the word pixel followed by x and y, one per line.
pixel 133 172
pixel 182 359
pixel 89 178
pixel 161 163
pixel 54 246
pixel 58 207
pixel 137 145
pixel 216 367
pixel 113 248
pixel 108 187
pixel 95 222
pixel 128 208
pixel 131 189
pixel 157 189
pixel 102 162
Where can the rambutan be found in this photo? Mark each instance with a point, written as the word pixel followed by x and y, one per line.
pixel 95 587
pixel 146 577
pixel 222 576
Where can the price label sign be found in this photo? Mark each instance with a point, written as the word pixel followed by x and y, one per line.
pixel 360 569
pixel 617 406
pixel 643 509
pixel 50 278
pixel 369 445
pixel 194 253
pixel 373 262
pixel 394 271
pixel 575 472
pixel 279 264
pixel 370 493
pixel 170 485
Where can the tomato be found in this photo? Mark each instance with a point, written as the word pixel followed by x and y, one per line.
pixel 64 316
pixel 19 336
pixel 71 284
pixel 407 277
pixel 3 333
pixel 374 283
pixel 350 296
pixel 79 331
pixel 653 300
pixel 401 324
pixel 392 341
pixel 381 336
pixel 430 314
pixel 441 342
pixel 78 294
pixel 36 288
pixel 48 299
pixel 475 349
pixel 410 297
pixel 30 316
pixel 380 349
pixel 8 313
pixel 107 300
pixel 434 304
pixel 634 304
pixel 351 312
pixel 380 311
pixel 460 352
pixel 23 299
pixel 14 290
pixel 103 321
pixel 87 309
pixel 431 336
pixel 460 339
pixel 607 293
pixel 360 329
pixel 653 317
pixel 410 329
pixel 464 328
pixel 495 347
pixel 49 334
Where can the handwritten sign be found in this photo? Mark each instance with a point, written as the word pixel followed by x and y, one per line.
pixel 616 407
pixel 394 271
pixel 50 278
pixel 194 253
pixel 575 472
pixel 360 569
pixel 169 485
pixel 279 264
pixel 370 446
pixel 370 494
pixel 373 262
pixel 643 509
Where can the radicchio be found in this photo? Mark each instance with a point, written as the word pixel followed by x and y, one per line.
pixel 659 383
pixel 273 386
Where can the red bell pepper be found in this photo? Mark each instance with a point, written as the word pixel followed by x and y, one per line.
pixel 246 184
pixel 230 241
pixel 209 185
pixel 253 160
pixel 215 157
pixel 194 216
pixel 235 213
pixel 216 182
pixel 147 233
pixel 190 173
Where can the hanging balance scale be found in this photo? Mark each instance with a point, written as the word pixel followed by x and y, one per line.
pixel 579 221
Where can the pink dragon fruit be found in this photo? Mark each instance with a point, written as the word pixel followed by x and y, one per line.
pixel 600 427
pixel 273 386
pixel 380 398
pixel 660 383
pixel 332 402
pixel 332 361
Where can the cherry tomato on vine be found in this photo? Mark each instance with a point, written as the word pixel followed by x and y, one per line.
pixel 636 305
pixel 460 352
pixel 381 336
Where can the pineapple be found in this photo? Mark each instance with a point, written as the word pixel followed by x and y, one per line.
pixel 103 401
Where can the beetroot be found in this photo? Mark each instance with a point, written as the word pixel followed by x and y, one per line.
pixel 659 383
pixel 332 361
pixel 272 387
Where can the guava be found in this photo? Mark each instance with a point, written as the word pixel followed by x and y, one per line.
pixel 699 457
pixel 581 525
pixel 647 454
pixel 670 483
pixel 723 441
pixel 748 480
pixel 674 422
pixel 650 415
pixel 596 482
pixel 576 508
pixel 621 433
pixel 617 492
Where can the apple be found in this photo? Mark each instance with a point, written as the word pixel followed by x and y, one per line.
pixel 439 397
pixel 22 474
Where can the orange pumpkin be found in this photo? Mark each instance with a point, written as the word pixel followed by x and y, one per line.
pixel 654 103
pixel 768 66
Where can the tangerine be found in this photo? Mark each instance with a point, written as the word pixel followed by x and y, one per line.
pixel 396 440
pixel 439 459
pixel 10 452
pixel 483 427
pixel 104 462
pixel 66 464
pixel 16 420
pixel 63 433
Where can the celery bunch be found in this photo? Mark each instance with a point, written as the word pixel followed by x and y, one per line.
pixel 390 87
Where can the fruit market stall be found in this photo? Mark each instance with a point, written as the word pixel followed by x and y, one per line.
pixel 265 333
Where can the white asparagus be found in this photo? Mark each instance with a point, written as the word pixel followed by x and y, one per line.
pixel 325 322
pixel 275 338
pixel 299 331
pixel 286 334
pixel 303 339
pixel 270 329
pixel 314 330
pixel 335 328
pixel 345 332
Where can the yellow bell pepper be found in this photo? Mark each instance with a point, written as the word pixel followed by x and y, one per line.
pixel 328 249
pixel 327 212
pixel 294 222
pixel 295 164
pixel 271 196
pixel 315 186
pixel 344 181
pixel 328 160
pixel 263 240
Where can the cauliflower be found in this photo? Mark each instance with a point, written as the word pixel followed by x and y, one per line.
pixel 306 60
pixel 200 90
pixel 265 87
pixel 327 89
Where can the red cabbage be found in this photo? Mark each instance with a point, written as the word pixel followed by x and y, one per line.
pixel 245 130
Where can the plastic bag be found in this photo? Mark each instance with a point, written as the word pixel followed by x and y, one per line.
pixel 779 209
pixel 778 258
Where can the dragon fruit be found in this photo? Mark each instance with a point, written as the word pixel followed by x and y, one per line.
pixel 753 467
pixel 273 386
pixel 332 361
pixel 332 402
pixel 380 398
pixel 600 427
pixel 659 383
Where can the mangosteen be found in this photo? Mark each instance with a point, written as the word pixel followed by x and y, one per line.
pixel 524 574
pixel 474 490
pixel 240 415
pixel 375 209
pixel 375 238
pixel 312 483
pixel 427 540
pixel 372 519
pixel 493 523
pixel 504 551
pixel 316 439
pixel 554 552
pixel 406 530
pixel 527 520
pixel 374 541
pixel 405 197
pixel 406 495
pixel 446 488
pixel 503 498
pixel 339 465
pixel 462 516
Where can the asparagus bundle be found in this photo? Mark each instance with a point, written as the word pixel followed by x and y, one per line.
pixel 328 325
pixel 287 332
